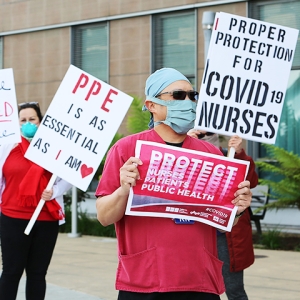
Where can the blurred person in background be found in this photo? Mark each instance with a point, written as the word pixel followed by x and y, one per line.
pixel 235 248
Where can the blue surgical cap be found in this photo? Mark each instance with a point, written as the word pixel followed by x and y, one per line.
pixel 158 81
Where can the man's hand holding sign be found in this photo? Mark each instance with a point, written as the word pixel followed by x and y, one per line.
pixel 77 128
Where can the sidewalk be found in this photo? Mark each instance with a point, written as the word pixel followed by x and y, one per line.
pixel 84 268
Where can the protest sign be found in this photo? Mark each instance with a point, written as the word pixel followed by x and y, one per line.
pixel 78 127
pixel 245 78
pixel 186 184
pixel 9 120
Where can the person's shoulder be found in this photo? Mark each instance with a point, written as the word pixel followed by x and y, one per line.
pixel 130 140
pixel 143 135
pixel 204 146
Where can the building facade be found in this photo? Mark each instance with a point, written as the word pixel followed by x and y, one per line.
pixel 122 41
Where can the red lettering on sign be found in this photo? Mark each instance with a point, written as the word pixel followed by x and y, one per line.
pixel 107 99
pixel 7 110
pixel 79 83
pixel 91 91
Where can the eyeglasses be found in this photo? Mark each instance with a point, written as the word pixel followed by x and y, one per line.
pixel 202 135
pixel 28 103
pixel 181 95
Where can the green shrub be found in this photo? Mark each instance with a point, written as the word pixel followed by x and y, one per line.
pixel 91 226
pixel 271 239
pixel 137 120
pixel 297 248
pixel 284 182
pixel 86 225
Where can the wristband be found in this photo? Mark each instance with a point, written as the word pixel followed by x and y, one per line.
pixel 239 215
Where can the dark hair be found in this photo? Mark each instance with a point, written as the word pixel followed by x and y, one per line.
pixel 33 105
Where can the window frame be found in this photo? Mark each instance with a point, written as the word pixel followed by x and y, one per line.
pixel 154 42
pixel 74 40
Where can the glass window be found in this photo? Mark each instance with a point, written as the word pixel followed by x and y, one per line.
pixel 284 13
pixel 288 135
pixel 90 49
pixel 174 43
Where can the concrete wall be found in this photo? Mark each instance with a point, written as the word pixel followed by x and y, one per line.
pixel 39 61
pixel 41 51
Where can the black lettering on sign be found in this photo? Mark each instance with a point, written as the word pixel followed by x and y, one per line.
pixel 229 118
pixel 41 146
pixel 101 123
pixel 73 163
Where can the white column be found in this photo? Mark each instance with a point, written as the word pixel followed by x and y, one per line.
pixel 74 233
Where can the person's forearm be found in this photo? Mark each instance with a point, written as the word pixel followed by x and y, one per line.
pixel 60 187
pixel 111 208
pixel 235 221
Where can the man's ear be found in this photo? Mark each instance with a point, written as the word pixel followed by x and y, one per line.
pixel 150 105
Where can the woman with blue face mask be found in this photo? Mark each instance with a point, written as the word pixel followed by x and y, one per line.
pixel 29 119
pixel 22 185
pixel 161 258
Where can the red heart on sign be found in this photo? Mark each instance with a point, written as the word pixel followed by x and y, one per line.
pixel 85 170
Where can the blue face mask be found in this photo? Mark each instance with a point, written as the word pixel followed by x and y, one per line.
pixel 29 129
pixel 181 114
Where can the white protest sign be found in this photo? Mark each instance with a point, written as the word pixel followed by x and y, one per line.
pixel 9 120
pixel 78 127
pixel 245 78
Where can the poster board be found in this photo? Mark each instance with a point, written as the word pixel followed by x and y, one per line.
pixel 9 119
pixel 78 127
pixel 245 78
pixel 186 184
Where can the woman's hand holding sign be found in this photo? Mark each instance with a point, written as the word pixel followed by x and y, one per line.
pixel 47 195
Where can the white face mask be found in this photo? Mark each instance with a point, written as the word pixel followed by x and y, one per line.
pixel 181 114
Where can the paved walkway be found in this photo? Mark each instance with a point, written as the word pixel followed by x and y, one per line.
pixel 84 268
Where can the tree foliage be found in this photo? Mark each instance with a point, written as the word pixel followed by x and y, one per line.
pixel 137 120
pixel 286 166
